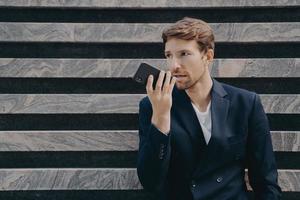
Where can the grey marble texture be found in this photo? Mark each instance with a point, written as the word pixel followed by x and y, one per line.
pixel 69 179
pixel 114 32
pixel 148 3
pixel 97 179
pixel 69 103
pixel 102 68
pixel 279 67
pixel 289 180
pixel 113 103
pixel 68 140
pixel 26 141
pixel 36 31
pixel 286 140
pixel 284 103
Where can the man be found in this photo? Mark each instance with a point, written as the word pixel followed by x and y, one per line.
pixel 197 139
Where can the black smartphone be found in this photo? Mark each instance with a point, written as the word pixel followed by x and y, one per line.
pixel 143 72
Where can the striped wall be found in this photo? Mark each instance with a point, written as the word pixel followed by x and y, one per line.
pixel 68 106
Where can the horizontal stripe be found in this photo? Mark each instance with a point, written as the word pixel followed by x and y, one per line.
pixel 150 15
pixel 128 86
pixel 141 50
pixel 108 121
pixel 101 179
pixel 147 4
pixel 71 159
pixel 70 140
pixel 68 121
pixel 125 68
pixel 286 140
pixel 103 159
pixel 105 141
pixel 71 179
pixel 105 32
pixel 83 194
pixel 113 103
pixel 100 194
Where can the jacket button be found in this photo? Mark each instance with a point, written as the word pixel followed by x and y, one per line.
pixel 161 156
pixel 193 184
pixel 219 179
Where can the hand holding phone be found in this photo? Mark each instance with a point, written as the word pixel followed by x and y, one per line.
pixel 159 90
pixel 143 73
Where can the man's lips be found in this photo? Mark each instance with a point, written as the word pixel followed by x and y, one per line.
pixel 179 76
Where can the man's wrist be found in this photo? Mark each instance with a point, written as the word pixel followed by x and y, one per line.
pixel 162 123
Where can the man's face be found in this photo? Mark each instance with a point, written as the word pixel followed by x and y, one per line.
pixel 186 62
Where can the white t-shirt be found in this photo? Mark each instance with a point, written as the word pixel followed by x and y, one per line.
pixel 205 121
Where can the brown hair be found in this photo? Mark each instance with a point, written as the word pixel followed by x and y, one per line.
pixel 191 29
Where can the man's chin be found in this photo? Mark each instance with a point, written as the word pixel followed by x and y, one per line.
pixel 180 86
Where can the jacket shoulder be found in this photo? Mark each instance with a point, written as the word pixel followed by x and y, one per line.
pixel 241 99
pixel 238 92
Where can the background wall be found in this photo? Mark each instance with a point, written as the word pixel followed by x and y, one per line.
pixel 68 107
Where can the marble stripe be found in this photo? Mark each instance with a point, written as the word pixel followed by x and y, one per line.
pixel 274 103
pixel 26 141
pixel 286 141
pixel 98 179
pixel 147 3
pixel 68 179
pixel 108 32
pixel 68 140
pixel 102 68
pixel 113 103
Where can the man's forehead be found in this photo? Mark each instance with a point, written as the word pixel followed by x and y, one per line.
pixel 176 45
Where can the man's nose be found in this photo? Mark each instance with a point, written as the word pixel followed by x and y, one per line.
pixel 174 64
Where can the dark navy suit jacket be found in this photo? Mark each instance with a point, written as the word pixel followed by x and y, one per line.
pixel 240 140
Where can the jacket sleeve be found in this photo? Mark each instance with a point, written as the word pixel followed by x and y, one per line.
pixel 262 169
pixel 154 151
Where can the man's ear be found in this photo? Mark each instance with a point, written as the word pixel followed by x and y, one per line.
pixel 210 55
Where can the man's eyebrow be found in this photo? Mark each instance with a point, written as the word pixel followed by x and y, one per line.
pixel 181 50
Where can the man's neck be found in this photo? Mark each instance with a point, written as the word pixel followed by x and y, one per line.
pixel 200 93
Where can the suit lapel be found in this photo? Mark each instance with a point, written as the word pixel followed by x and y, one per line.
pixel 186 115
pixel 219 110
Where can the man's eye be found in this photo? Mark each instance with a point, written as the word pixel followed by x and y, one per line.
pixel 184 54
pixel 167 55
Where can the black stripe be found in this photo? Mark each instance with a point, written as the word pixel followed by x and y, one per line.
pixel 287 160
pixel 288 122
pixel 68 121
pixel 141 50
pixel 279 122
pixel 162 15
pixel 71 159
pixel 77 195
pixel 128 86
pixel 100 195
pixel 285 196
pixel 102 159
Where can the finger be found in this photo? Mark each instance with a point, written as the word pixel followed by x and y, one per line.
pixel 149 86
pixel 167 81
pixel 173 82
pixel 159 81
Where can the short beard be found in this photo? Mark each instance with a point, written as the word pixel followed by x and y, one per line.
pixel 187 85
